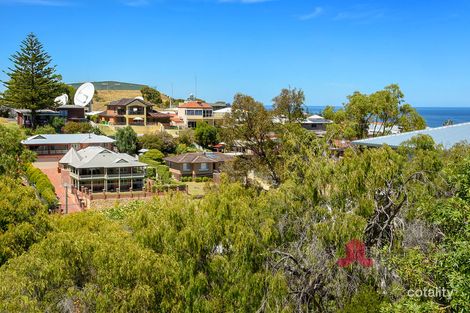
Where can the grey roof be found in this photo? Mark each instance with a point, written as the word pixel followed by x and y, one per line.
pixel 99 157
pixel 70 157
pixel 37 111
pixel 447 136
pixel 199 157
pixel 316 119
pixel 53 139
pixel 71 106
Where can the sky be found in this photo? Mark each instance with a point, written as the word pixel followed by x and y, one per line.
pixel 328 48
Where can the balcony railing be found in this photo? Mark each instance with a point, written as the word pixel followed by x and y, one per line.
pixel 107 176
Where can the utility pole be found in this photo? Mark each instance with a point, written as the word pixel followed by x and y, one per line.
pixel 66 199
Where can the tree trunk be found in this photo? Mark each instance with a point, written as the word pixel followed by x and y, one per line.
pixel 33 119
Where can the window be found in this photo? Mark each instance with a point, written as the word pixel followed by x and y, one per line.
pixel 189 112
pixel 204 167
pixel 186 167
pixel 192 124
pixel 207 113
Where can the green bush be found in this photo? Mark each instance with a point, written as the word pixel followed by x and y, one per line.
pixel 46 129
pixel 43 186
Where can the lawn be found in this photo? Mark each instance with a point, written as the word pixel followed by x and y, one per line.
pixel 196 189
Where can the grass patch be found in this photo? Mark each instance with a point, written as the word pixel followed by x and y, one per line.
pixel 196 189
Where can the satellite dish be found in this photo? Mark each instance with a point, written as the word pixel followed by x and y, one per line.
pixel 62 99
pixel 84 94
pixel 139 98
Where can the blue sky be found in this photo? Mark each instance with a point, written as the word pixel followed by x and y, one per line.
pixel 327 48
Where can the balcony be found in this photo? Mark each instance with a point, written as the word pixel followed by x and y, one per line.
pixel 107 176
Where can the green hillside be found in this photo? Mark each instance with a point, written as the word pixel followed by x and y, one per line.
pixel 112 85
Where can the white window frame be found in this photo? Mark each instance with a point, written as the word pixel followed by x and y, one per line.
pixel 186 167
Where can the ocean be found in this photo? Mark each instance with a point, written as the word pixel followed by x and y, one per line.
pixel 434 116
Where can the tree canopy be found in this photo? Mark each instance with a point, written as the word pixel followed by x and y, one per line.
pixel 289 104
pixel 126 140
pixel 151 95
pixel 206 135
pixel 33 83
pixel 375 114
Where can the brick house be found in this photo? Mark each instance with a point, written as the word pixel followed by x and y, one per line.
pixel 198 164
pixel 135 112
pixel 59 144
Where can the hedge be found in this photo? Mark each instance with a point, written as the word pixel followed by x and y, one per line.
pixel 195 179
pixel 43 186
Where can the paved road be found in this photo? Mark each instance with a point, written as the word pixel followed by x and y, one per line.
pixel 58 179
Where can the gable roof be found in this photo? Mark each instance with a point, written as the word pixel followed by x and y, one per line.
pixel 70 157
pixel 199 157
pixel 53 139
pixel 99 157
pixel 447 136
pixel 126 101
pixel 195 105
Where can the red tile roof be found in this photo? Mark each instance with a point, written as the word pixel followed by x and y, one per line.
pixel 195 105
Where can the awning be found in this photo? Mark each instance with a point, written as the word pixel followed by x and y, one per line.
pixel 137 119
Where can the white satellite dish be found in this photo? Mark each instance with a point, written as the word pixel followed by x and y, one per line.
pixel 84 94
pixel 62 99
pixel 139 98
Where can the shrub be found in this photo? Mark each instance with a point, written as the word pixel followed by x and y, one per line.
pixel 154 155
pixel 163 142
pixel 46 129
pixel 43 186
pixel 77 128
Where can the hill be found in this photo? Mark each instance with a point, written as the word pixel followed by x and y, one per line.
pixel 112 85
pixel 108 91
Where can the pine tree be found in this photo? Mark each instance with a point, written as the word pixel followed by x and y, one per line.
pixel 33 82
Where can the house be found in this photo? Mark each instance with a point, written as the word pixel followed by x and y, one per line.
pixel 197 164
pixel 219 105
pixel 377 129
pixel 101 170
pixel 59 144
pixel 74 113
pixel 447 136
pixel 43 117
pixel 135 112
pixel 192 112
pixel 316 123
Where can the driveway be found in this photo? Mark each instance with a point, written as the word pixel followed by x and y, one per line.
pixel 58 180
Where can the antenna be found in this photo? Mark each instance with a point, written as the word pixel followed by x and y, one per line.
pixel 195 86
pixel 84 94
pixel 171 98
pixel 62 99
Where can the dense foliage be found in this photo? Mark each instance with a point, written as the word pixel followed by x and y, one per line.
pixel 151 95
pixel 43 186
pixel 126 140
pixel 206 135
pixel 13 155
pixel 374 114
pixel 267 239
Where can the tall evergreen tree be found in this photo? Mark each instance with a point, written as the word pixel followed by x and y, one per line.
pixel 33 81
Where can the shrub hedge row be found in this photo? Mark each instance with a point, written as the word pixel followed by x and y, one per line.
pixel 43 186
pixel 195 179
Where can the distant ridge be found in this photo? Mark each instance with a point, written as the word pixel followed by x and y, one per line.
pixel 112 85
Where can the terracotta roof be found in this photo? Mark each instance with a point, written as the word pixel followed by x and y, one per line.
pixel 199 157
pixel 159 115
pixel 195 105
pixel 126 101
